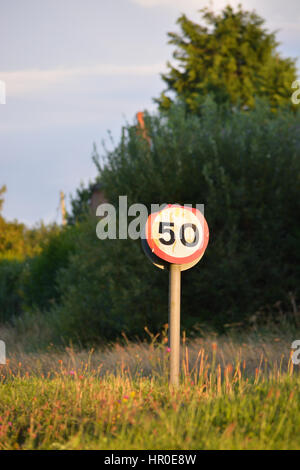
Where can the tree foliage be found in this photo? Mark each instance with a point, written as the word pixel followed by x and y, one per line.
pixel 29 259
pixel 39 281
pixel 81 201
pixel 230 55
pixel 18 241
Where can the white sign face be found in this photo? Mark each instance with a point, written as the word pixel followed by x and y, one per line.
pixel 177 234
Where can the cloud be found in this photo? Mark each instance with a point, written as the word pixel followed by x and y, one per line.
pixel 24 82
pixel 187 5
pixel 273 8
pixel 171 3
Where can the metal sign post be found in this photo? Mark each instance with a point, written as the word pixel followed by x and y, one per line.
pixel 174 322
pixel 175 239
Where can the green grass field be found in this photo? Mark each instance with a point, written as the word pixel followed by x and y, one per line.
pixel 119 398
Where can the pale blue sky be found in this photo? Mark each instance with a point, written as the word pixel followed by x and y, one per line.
pixel 76 68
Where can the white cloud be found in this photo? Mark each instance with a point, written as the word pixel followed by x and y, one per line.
pixel 273 8
pixel 23 82
pixel 187 5
pixel 171 3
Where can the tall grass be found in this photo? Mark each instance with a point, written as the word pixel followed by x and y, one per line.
pixel 232 395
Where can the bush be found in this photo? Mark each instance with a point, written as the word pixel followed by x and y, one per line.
pixel 39 280
pixel 10 288
pixel 245 168
pixel 30 282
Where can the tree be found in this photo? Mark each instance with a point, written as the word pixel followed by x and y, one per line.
pixel 2 191
pixel 81 202
pixel 18 241
pixel 232 56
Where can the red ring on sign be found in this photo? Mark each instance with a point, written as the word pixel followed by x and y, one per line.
pixel 173 259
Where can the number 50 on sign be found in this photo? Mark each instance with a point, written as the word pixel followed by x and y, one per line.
pixel 177 234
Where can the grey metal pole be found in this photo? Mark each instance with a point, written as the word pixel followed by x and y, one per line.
pixel 174 322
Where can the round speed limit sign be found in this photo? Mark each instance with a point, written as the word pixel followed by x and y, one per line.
pixel 177 234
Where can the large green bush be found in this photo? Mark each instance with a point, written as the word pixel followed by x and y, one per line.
pixel 245 168
pixel 39 285
pixel 31 283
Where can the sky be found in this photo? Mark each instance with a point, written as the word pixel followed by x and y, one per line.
pixel 76 69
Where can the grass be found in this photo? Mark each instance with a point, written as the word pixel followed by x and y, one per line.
pixel 235 393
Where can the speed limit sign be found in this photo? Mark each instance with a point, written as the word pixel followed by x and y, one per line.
pixel 177 234
pixel 175 238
